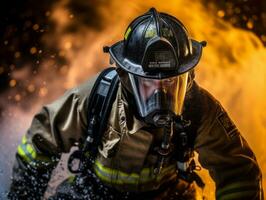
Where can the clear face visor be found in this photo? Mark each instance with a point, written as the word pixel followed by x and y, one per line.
pixel 159 95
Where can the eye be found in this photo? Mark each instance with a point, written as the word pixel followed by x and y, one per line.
pixel 148 83
pixel 168 82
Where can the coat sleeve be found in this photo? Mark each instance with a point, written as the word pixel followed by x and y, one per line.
pixel 225 153
pixel 53 130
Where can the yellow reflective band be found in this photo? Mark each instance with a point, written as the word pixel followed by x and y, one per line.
pixel 127 33
pixel 236 189
pixel 119 177
pixel 24 139
pixel 31 150
pixel 23 154
pixel 106 174
pixel 105 177
pixel 37 157
pixel 28 153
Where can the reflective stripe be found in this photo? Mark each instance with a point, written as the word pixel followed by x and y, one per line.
pixel 146 175
pixel 28 153
pixel 31 151
pixel 127 33
pixel 237 190
pixel 24 139
pixel 23 153
pixel 25 150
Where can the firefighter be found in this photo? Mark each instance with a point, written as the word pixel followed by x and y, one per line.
pixel 159 117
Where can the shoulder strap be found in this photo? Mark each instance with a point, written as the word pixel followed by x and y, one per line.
pixel 100 103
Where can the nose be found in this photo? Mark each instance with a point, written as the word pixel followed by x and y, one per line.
pixel 157 84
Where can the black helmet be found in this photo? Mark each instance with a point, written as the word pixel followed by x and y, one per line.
pixel 153 62
pixel 156 45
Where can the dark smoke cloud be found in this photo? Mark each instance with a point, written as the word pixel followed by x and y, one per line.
pixel 23 26
pixel 23 23
pixel 246 14
pixel 28 45
pixel 86 13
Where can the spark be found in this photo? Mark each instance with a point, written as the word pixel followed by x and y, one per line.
pixel 221 13
pixel 43 91
pixel 12 83
pixel 31 88
pixel 250 24
pixel 35 27
pixel 17 97
pixel 33 50
pixel 17 54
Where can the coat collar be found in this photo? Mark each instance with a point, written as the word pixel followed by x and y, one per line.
pixel 122 119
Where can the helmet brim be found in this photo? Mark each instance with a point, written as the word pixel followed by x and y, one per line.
pixel 116 52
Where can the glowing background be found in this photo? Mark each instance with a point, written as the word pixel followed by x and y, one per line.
pixel 232 68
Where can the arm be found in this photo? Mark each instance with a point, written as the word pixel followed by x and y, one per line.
pixel 53 130
pixel 225 153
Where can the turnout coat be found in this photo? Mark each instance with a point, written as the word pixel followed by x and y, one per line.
pixel 127 156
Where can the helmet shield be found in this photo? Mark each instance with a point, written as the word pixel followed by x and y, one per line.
pixel 159 99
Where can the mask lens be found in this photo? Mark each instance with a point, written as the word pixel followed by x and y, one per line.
pixel 159 96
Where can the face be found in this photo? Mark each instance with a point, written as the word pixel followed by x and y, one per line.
pixel 159 94
pixel 149 86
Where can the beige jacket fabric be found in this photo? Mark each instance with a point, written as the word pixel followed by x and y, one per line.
pixel 128 144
